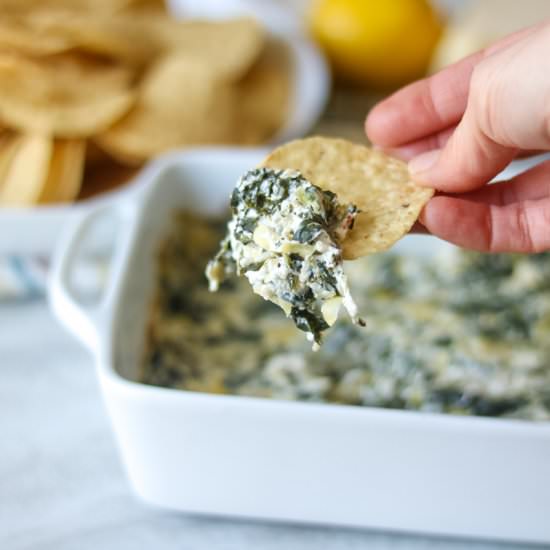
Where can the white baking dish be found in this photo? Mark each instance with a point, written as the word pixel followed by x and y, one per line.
pixel 261 458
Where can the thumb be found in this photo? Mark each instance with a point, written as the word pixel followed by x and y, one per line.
pixel 469 159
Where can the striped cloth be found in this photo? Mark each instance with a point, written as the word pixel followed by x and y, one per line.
pixel 26 277
pixel 22 278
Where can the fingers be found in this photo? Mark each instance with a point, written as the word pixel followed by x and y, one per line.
pixel 518 227
pixel 468 160
pixel 422 108
pixel 508 216
pixel 497 102
pixel 532 184
pixel 410 150
pixel 437 141
pixel 429 105
pixel 507 110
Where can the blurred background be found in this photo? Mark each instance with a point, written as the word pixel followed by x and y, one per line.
pixel 397 42
pixel 90 91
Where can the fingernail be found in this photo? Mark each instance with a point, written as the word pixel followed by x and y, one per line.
pixel 423 163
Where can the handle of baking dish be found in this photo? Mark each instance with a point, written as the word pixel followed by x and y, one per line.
pixel 86 321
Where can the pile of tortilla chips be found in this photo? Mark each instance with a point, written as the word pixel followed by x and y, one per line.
pixel 88 85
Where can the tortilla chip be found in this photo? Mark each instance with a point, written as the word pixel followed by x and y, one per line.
pixel 65 172
pixel 65 96
pixel 264 95
pixel 181 102
pixel 9 142
pixel 379 185
pixel 94 6
pixel 18 34
pixel 146 6
pixel 229 48
pixel 27 170
pixel 118 37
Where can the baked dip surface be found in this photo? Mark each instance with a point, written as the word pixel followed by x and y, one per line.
pixel 462 333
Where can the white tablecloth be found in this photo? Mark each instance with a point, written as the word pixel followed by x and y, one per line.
pixel 61 484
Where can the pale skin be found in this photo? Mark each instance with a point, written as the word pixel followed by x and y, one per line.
pixel 462 126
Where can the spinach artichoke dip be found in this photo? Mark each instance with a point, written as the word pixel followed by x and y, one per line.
pixel 285 237
pixel 461 333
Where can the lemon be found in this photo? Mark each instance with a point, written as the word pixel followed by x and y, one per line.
pixel 381 43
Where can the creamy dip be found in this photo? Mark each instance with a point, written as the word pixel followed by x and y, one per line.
pixel 461 333
pixel 284 237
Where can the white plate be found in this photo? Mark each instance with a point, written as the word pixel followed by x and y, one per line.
pixel 35 230
pixel 262 458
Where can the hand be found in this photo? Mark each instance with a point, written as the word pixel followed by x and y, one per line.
pixel 465 124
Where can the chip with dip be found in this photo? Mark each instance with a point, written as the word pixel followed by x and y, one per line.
pixel 310 205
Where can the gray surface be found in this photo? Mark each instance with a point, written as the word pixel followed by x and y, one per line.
pixel 62 487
